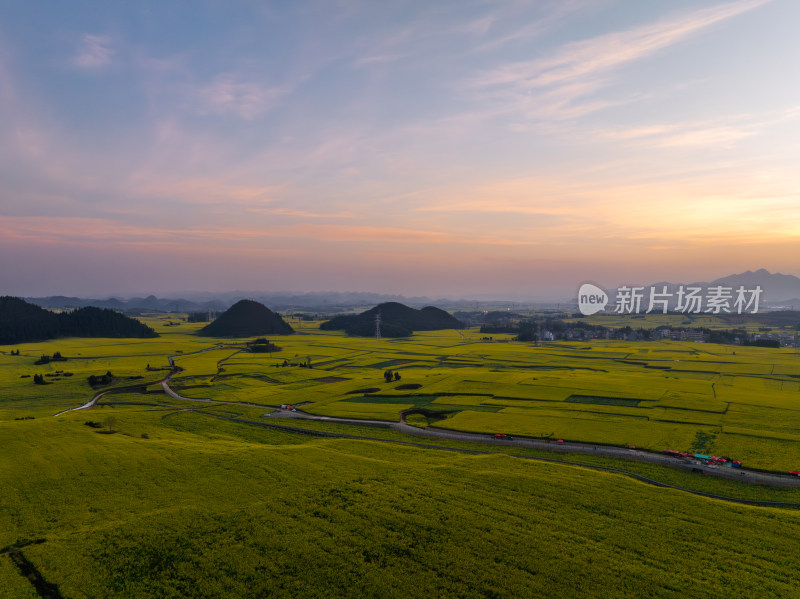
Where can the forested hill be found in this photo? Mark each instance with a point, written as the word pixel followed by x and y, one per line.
pixel 21 322
pixel 397 320
pixel 247 318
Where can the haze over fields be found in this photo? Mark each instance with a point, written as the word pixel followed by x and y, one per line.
pixel 454 149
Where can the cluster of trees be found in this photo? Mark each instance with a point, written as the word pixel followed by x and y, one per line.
pixel 762 342
pixel 38 379
pixel 306 364
pixel 45 359
pixel 262 346
pixel 390 376
pixel 533 329
pixel 306 317
pixel 21 322
pixel 99 381
pixel 102 322
pixel 491 318
pixel 14 353
pixel 200 316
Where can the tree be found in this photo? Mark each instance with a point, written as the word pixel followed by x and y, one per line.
pixel 396 376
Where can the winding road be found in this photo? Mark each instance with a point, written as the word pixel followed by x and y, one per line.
pixel 737 474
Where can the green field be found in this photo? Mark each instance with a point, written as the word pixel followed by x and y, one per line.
pixel 177 503
pixel 745 401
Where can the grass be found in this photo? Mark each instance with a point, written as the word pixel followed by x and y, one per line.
pixel 179 503
pixel 656 394
pixel 286 515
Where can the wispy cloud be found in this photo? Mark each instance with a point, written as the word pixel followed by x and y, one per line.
pixel 719 132
pixel 228 94
pixel 205 191
pixel 683 136
pixel 529 30
pixel 388 235
pixel 83 230
pixel 552 84
pixel 300 213
pixel 106 231
pixel 95 51
pixel 379 59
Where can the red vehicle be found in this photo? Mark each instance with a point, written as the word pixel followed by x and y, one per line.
pixel 560 441
pixel 504 437
pixel 795 472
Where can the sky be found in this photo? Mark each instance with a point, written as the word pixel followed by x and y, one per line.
pixel 449 148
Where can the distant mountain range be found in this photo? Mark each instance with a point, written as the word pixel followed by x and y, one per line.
pixel 777 289
pixel 132 305
pixel 313 301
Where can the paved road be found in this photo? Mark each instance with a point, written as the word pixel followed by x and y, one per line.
pixel 739 474
pixel 317 433
pixel 163 382
pixel 97 397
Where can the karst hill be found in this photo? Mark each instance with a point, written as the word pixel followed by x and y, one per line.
pixel 396 320
pixel 247 318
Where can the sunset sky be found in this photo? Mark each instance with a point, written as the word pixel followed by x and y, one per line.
pixel 450 149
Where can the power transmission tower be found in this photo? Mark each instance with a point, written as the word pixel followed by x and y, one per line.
pixel 378 325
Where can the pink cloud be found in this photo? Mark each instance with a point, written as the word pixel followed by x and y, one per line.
pixel 208 191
